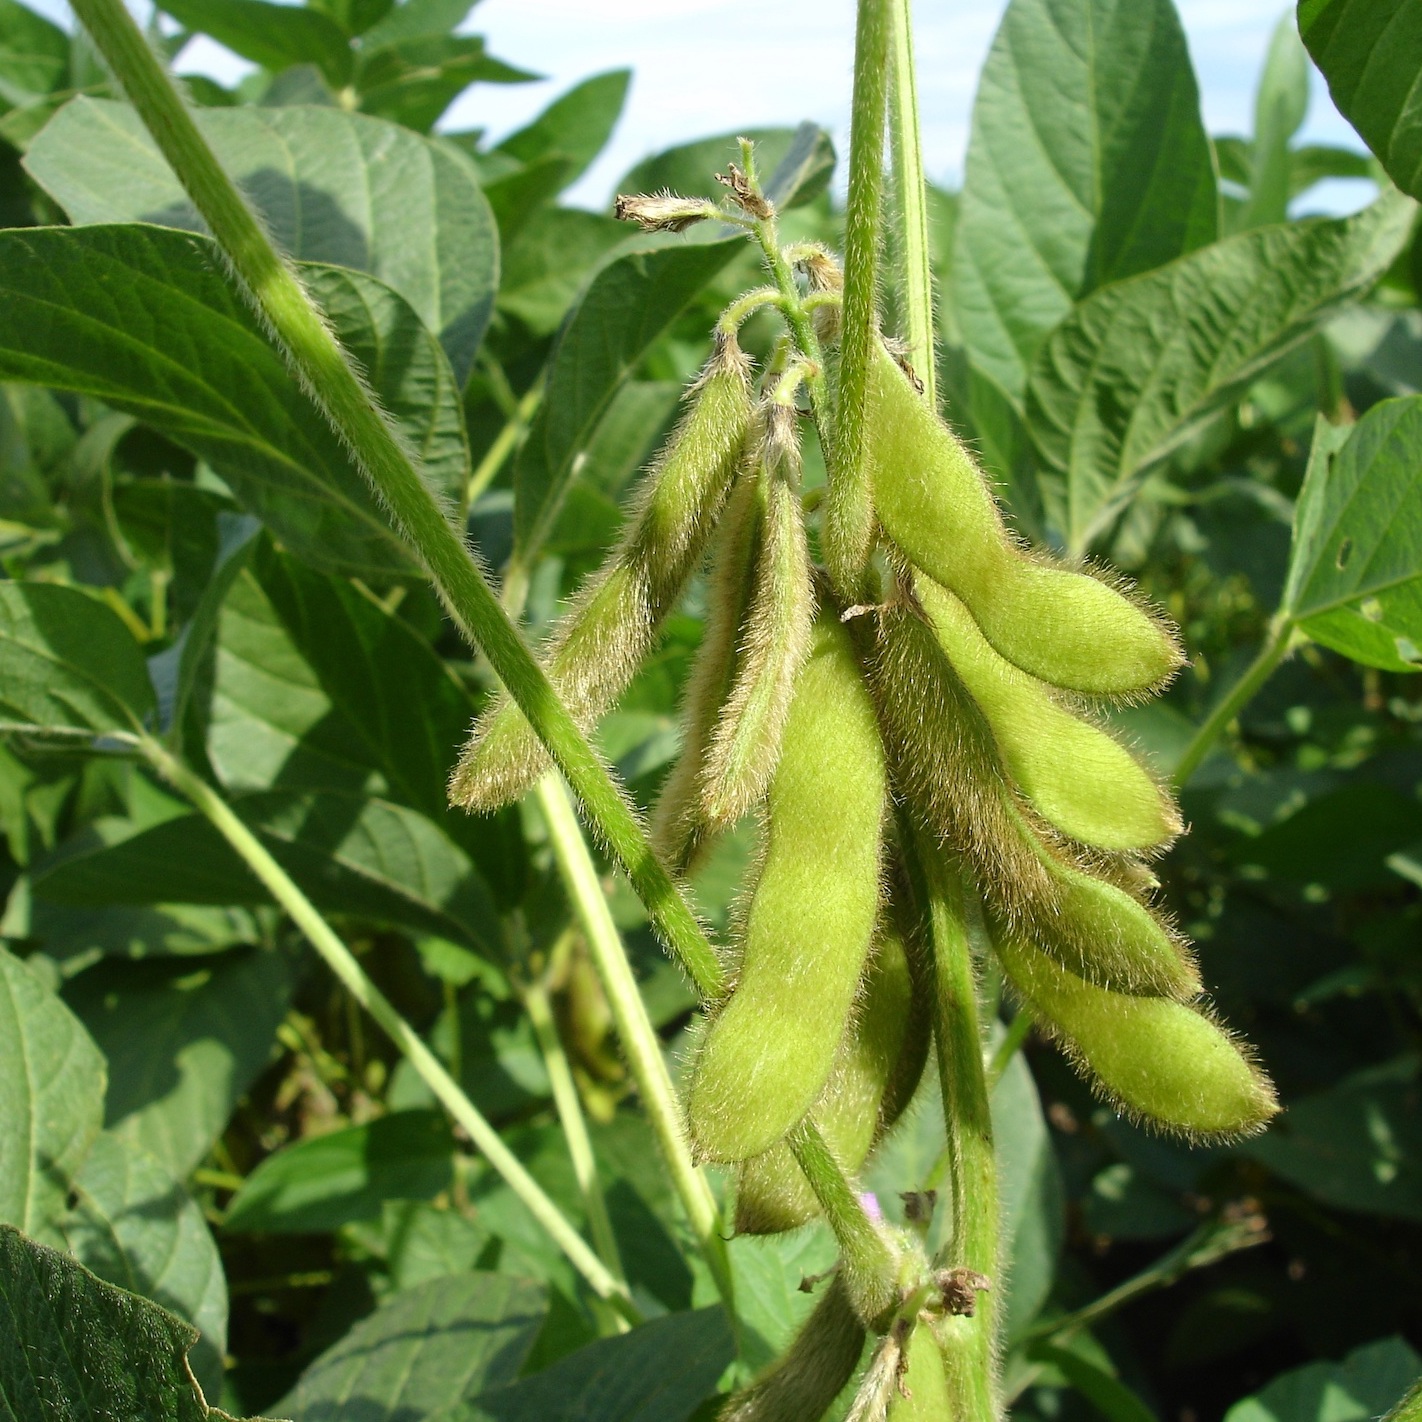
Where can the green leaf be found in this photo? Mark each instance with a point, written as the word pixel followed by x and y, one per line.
pixel 1087 163
pixel 1140 365
pixel 413 81
pixel 423 1351
pixel 334 187
pixel 1363 1386
pixel 1358 1146
pixel 355 17
pixel 660 1372
pixel 549 259
pixel 1355 573
pixel 134 1227
pixel 1279 110
pixel 412 19
pixel 74 1349
pixel 323 1182
pixel 51 1099
pixel 1370 51
pixel 184 1039
pixel 1107 1393
pixel 34 56
pixel 691 168
pixel 68 663
pixel 575 126
pixel 143 319
pixel 180 930
pixel 351 854
pixel 273 36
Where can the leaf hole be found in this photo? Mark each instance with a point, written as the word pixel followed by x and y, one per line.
pixel 1345 552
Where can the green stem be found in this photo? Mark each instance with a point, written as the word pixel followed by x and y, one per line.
pixel 575 1128
pixel 849 512
pixel 1017 1033
pixel 506 441
pixel 353 977
pixel 337 390
pixel 640 1042
pixel 968 1342
pixel 915 275
pixel 868 1265
pixel 1277 645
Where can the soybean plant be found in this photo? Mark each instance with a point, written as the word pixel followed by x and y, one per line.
pixel 916 728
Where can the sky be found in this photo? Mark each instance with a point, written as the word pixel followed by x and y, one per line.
pixel 708 66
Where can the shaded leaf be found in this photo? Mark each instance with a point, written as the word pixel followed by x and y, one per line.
pixel 1140 365
pixel 184 1039
pixel 1364 1385
pixel 423 1351
pixel 334 187
pixel 1087 163
pixel 1370 51
pixel 65 932
pixel 1355 573
pixel 143 319
pixel 34 56
pixel 273 36
pixel 325 1181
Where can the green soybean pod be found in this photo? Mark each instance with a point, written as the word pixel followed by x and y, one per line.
pixel 774 641
pixel 1063 626
pixel 597 647
pixel 801 1384
pixel 1152 1058
pixel 1077 776
pixel 771 1046
pixel 886 1044
pixel 921 1394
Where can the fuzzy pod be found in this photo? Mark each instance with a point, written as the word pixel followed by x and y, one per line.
pixel 597 647
pixel 921 1394
pixel 1078 777
pixel 885 1046
pixel 679 830
pixel 1152 1058
pixel 771 1046
pixel 1063 626
pixel 802 1383
pixel 774 640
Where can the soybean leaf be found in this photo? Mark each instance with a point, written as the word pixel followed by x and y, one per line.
pixel 65 932
pixel 1367 1383
pixel 691 168
pixel 274 36
pixel 335 187
pixel 142 318
pixel 355 17
pixel 412 19
pixel 1097 1382
pixel 414 80
pixel 184 1040
pixel 1371 55
pixel 68 663
pixel 326 1181
pixel 134 1226
pixel 1355 573
pixel 423 1351
pixel 1087 163
pixel 352 854
pixel 548 261
pixel 1140 365
pixel 1357 1146
pixel 575 126
pixel 1280 107
pixel 34 56
pixel 51 1099
pixel 75 1349
pixel 660 1372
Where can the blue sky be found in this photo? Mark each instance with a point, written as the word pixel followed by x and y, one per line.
pixel 703 66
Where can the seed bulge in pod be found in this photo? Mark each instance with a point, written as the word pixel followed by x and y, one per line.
pixel 771 1046
pixel 1078 777
pixel 1151 1057
pixel 1063 626
pixel 597 647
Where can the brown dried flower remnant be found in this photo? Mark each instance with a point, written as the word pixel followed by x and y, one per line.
pixel 664 211
pixel 960 1288
pixel 748 197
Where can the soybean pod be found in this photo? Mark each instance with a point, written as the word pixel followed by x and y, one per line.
pixel 771 1046
pixel 597 647
pixel 1063 626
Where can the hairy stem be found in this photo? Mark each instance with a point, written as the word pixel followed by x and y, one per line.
pixel 968 1340
pixel 338 391
pixel 639 1039
pixel 505 442
pixel 915 274
pixel 575 1128
pixel 353 978
pixel 849 512
pixel 1277 645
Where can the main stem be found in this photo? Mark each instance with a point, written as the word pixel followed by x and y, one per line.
pixel 431 1070
pixel 969 1353
pixel 915 275
pixel 1277 645
pixel 639 1039
pixel 333 384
